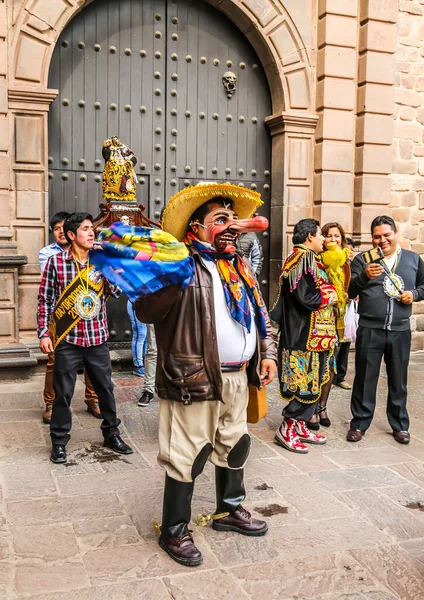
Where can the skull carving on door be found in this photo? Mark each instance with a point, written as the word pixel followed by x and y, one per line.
pixel 229 80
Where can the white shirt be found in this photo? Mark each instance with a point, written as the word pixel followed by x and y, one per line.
pixel 235 343
pixel 390 262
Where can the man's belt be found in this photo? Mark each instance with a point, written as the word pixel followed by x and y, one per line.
pixel 234 367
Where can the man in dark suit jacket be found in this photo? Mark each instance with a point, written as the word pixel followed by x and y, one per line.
pixel 384 328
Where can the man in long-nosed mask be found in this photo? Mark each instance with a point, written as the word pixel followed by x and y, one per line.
pixel 213 337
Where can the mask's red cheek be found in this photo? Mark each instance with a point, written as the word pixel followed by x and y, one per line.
pixel 214 230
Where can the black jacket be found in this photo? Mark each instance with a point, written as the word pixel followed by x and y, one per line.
pixel 376 309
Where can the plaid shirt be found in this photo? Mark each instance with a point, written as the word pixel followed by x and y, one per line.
pixel 59 271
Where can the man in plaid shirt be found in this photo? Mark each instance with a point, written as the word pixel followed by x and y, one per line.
pixel 85 342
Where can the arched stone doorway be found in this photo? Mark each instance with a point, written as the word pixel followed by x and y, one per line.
pixel 283 52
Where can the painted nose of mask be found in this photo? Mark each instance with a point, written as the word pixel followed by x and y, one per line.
pixel 256 224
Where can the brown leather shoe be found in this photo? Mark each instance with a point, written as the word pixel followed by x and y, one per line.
pixel 47 416
pixel 182 549
pixel 242 522
pixel 93 408
pixel 354 435
pixel 402 437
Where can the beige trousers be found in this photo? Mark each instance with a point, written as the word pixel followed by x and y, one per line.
pixel 191 434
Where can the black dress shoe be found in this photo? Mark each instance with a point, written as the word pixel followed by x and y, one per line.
pixel 116 444
pixel 182 549
pixel 146 398
pixel 402 437
pixel 58 455
pixel 241 521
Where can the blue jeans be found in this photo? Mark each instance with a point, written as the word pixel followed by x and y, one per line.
pixel 139 336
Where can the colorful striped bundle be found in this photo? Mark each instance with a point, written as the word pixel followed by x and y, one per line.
pixel 141 260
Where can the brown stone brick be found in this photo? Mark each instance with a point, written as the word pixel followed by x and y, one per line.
pixel 417 342
pixel 418 69
pixel 410 7
pixel 407 113
pixel 335 125
pixel 348 8
pixel 421 167
pixel 420 84
pixel 421 201
pixel 418 248
pixel 335 61
pixel 379 10
pixel 376 98
pixel 407 97
pixel 420 115
pixel 406 149
pixel 377 67
pixel 419 150
pixel 337 31
pixel 410 233
pixel 408 199
pixel 401 183
pixel 401 215
pixel 421 234
pixel 333 187
pixel 5 207
pixel 376 129
pixel 395 200
pixel 378 36
pixel 420 322
pixel 372 189
pixel 373 159
pixel 336 93
pixel 4 172
pixel 408 81
pixel 405 167
pixel 418 184
pixel 334 156
pixel 408 131
pixel 404 26
pixel 403 66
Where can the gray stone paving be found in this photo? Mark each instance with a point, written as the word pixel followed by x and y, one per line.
pixel 346 522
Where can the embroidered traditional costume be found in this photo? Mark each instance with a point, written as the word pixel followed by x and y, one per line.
pixel 305 313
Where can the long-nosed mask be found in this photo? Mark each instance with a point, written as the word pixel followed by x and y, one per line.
pixel 223 228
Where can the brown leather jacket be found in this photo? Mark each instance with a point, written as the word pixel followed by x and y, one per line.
pixel 188 368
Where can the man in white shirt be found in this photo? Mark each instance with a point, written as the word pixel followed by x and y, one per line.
pixel 213 338
pixel 61 244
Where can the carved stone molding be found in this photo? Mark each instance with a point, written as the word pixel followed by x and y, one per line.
pixel 292 123
pixel 31 99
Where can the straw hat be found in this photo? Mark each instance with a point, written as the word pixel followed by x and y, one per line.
pixel 178 211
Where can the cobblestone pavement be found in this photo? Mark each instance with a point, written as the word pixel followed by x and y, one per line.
pixel 346 521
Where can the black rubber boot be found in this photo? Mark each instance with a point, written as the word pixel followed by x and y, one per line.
pixel 230 493
pixel 175 538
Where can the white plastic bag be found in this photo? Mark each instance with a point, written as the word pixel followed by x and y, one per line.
pixel 351 322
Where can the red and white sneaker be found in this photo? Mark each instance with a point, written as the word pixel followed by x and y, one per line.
pixel 287 437
pixel 308 436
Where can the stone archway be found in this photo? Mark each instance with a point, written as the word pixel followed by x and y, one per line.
pixel 284 48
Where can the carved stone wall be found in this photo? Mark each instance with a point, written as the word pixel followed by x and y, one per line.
pixel 407 203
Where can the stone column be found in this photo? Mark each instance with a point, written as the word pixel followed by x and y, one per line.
pixel 374 127
pixel 10 261
pixel 28 114
pixel 336 104
pixel 291 200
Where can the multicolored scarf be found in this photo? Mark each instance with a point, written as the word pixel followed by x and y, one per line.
pixel 141 260
pixel 238 284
